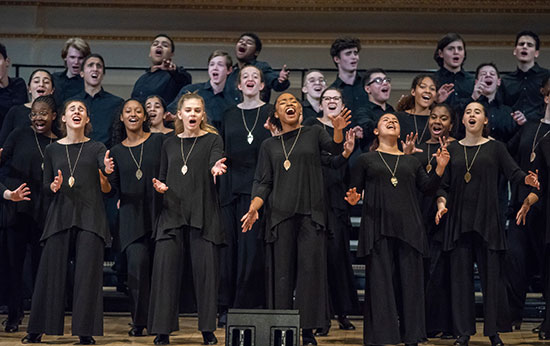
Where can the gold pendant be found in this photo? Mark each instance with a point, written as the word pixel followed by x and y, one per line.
pixel 250 138
pixel 139 174
pixel 286 164
pixel 428 167
pixel 532 157
pixel 467 177
pixel 42 166
pixel 71 181
pixel 184 169
pixel 394 181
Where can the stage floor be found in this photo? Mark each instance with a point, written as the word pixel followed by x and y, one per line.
pixel 116 329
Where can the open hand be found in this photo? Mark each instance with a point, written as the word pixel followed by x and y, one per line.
pixel 109 163
pixel 352 197
pixel 159 186
pixel 340 121
pixel 57 181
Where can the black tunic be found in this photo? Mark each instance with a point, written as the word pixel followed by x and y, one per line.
pixel 24 165
pixel 82 205
pixel 242 157
pixel 407 124
pixel 139 203
pixel 18 116
pixel 390 211
pixel 474 206
pixel 300 189
pixel 191 199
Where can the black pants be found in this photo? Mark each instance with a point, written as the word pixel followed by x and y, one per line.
pixel 469 248
pixel 242 261
pixel 48 308
pixel 297 262
pixel 438 291
pixel 394 294
pixel 545 326
pixel 138 255
pixel 166 281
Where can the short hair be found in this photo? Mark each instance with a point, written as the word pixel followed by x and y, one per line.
pixel 256 39
pixel 78 44
pixel 482 65
pixel 219 52
pixel 254 66
pixel 530 34
pixel 93 55
pixel 41 70
pixel 3 51
pixel 444 42
pixel 370 72
pixel 169 39
pixel 308 72
pixel 342 43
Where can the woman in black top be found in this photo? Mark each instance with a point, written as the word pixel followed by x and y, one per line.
pixel 392 235
pixel 289 179
pixel 190 221
pixel 242 267
pixel 75 225
pixel 341 280
pixel 137 161
pixel 474 229
pixel 22 159
pixel 156 109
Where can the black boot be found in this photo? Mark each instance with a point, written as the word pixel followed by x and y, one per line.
pixel 222 319
pixel 496 340
pixel 308 338
pixel 209 338
pixel 136 330
pixel 32 338
pixel 462 340
pixel 86 340
pixel 162 339
pixel 344 323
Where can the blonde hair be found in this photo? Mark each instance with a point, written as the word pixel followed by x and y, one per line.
pixel 204 125
pixel 78 44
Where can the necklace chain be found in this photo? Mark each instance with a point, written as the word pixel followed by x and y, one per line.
pixel 255 121
pixel 388 166
pixel 419 140
pixel 293 144
pixel 71 168
pixel 38 144
pixel 468 167
pixel 189 153
pixel 535 142
pixel 140 156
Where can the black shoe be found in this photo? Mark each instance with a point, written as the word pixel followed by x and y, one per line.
pixel 544 335
pixel 536 329
pixel 516 325
pixel 32 338
pixel 462 340
pixel 322 331
pixel 11 327
pixel 136 331
pixel 413 344
pixel 447 336
pixel 308 338
pixel 209 338
pixel 86 340
pixel 344 323
pixel 162 339
pixel 222 319
pixel 496 340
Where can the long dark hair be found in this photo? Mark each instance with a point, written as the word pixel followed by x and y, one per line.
pixel 118 128
pixel 407 102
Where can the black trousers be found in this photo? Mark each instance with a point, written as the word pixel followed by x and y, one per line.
pixel 167 280
pixel 48 308
pixel 242 261
pixel 138 256
pixel 472 248
pixel 24 232
pixel 545 326
pixel 394 294
pixel 297 262
pixel 438 291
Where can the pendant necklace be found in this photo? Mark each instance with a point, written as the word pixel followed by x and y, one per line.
pixel 184 167
pixel 139 172
pixel 533 156
pixel 419 140
pixel 71 168
pixel 286 164
pixel 393 178
pixel 250 136
pixel 468 175
pixel 430 158
pixel 40 149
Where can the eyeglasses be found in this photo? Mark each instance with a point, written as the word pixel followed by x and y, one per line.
pixel 42 114
pixel 332 98
pixel 379 80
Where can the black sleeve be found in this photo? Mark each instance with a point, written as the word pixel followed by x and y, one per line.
pixel 445 183
pixel 181 76
pixel 114 178
pixel 7 126
pixel 263 179
pixel 541 165
pixel 216 152
pixel 513 144
pixel 327 143
pixel 8 148
pixel 333 161
pixel 163 171
pixel 272 78
pixel 359 173
pixel 509 167
pixel 427 183
pixel 100 156
pixel 48 174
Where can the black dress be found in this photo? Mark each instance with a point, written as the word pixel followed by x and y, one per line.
pixel 417 124
pixel 474 230
pixel 341 280
pixel 295 220
pixel 242 262
pixel 393 239
pixel 76 225
pixel 190 222
pixel 139 206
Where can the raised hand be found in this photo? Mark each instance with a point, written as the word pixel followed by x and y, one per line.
pixel 479 89
pixel 57 181
pixel 352 197
pixel 340 121
pixel 532 179
pixel 519 117
pixel 109 163
pixel 409 145
pixel 439 214
pixel 248 219
pixel 444 91
pixel 349 144
pixel 442 156
pixel 19 194
pixel 358 132
pixel 271 128
pixel 219 167
pixel 159 186
pixel 283 75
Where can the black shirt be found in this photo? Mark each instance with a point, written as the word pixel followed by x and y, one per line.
pixel 162 83
pixel 65 87
pixel 463 87
pixel 18 116
pixel 502 126
pixel 103 109
pixel 417 124
pixel 521 91
pixel 12 95
pixel 367 117
pixel 309 112
pixel 355 96
pixel 215 104
pixel 271 79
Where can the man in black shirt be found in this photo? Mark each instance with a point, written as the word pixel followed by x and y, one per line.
pixel 521 88
pixel 163 78
pixel 103 107
pixel 212 91
pixel 314 84
pixel 247 49
pixel 68 83
pixel 13 91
